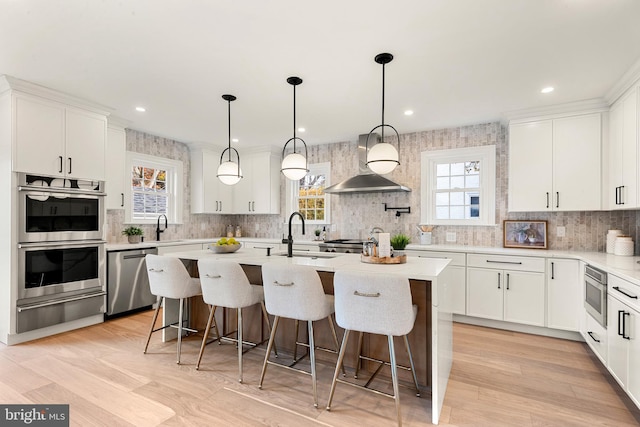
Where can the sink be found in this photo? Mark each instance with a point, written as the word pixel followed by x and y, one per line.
pixel 310 255
pixel 168 241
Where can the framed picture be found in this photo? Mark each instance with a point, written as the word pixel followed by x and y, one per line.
pixel 525 234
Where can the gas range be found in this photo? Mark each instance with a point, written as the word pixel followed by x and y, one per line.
pixel 345 246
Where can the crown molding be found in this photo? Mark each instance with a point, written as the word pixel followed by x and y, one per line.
pixel 596 105
pixel 631 77
pixel 118 122
pixel 11 83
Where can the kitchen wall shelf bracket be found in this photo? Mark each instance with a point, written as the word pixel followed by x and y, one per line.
pixel 399 211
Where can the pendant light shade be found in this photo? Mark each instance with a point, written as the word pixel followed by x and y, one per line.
pixel 294 165
pixel 229 172
pixel 383 157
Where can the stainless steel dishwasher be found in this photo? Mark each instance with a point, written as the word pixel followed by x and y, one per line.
pixel 128 281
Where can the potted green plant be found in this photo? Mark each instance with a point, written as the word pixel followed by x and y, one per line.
pixel 317 232
pixel 399 242
pixel 134 234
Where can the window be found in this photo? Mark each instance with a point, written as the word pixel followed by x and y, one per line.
pixel 307 195
pixel 458 186
pixel 154 189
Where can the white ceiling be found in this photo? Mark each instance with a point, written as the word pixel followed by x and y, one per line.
pixel 456 62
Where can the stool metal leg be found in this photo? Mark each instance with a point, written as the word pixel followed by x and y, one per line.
pixel 335 340
pixel 153 323
pixel 207 329
pixel 413 368
pixel 295 341
pixel 312 349
pixel 240 345
pixel 272 339
pixel 394 378
pixel 266 318
pixel 180 312
pixel 360 340
pixel 339 364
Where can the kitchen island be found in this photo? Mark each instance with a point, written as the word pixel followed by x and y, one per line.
pixel 431 338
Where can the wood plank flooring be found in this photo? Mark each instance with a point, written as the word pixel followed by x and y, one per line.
pixel 499 378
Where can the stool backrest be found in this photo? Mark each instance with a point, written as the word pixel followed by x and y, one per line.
pixel 224 283
pixel 168 277
pixel 293 291
pixel 373 303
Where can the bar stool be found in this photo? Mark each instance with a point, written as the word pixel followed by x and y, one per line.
pixel 295 292
pixel 224 284
pixel 376 304
pixel 168 278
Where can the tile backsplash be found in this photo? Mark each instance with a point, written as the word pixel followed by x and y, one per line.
pixel 354 214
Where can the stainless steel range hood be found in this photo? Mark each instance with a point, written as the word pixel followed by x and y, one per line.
pixel 366 181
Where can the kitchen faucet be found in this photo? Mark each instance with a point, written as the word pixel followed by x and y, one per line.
pixel 158 231
pixel 289 239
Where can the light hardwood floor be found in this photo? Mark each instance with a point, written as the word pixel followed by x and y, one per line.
pixel 499 378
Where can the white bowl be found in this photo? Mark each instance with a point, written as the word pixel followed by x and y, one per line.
pixel 224 249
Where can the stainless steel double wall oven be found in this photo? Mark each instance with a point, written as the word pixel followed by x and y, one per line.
pixel 61 254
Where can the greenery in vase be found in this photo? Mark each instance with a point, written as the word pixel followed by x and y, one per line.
pixel 317 232
pixel 399 241
pixel 133 231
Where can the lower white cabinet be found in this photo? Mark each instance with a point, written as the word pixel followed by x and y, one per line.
pixel 596 337
pixel 506 288
pixel 623 321
pixel 564 294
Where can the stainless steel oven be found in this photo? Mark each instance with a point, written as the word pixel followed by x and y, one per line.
pixel 57 209
pixel 595 294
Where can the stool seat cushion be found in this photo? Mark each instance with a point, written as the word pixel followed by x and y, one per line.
pixel 373 303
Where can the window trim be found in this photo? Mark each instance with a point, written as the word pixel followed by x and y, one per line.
pixel 487 156
pixel 291 192
pixel 174 170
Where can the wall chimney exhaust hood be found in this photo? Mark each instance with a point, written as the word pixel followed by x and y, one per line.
pixel 366 181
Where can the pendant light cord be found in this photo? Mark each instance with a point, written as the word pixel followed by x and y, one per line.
pixel 229 114
pixel 294 118
pixel 382 129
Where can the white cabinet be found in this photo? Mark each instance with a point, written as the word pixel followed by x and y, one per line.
pixel 259 191
pixel 596 337
pixel 55 139
pixel 455 273
pixel 506 288
pixel 208 193
pixel 555 164
pixel 623 152
pixel 564 294
pixel 623 320
pixel 115 167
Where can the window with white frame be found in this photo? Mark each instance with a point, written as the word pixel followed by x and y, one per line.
pixel 154 188
pixel 307 195
pixel 458 186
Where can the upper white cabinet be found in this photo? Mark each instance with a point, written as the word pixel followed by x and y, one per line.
pixel 51 138
pixel 564 294
pixel 115 166
pixel 208 194
pixel 623 152
pixel 259 191
pixel 555 164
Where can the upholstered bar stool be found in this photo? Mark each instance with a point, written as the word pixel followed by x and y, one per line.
pixel 375 304
pixel 224 284
pixel 169 278
pixel 295 292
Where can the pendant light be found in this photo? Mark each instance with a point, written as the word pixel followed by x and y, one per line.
pixel 229 172
pixel 383 157
pixel 294 165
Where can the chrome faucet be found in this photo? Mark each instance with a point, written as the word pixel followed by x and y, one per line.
pixel 289 239
pixel 158 231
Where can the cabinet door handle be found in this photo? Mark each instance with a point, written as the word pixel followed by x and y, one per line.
pixel 507 281
pixel 69 165
pixel 624 325
pixel 216 206
pixel 498 280
pixel 249 206
pixel 621 198
pixel 557 199
pixel 504 262
pixel 253 206
pixel 547 200
pixel 617 288
pixel 617 196
pixel 220 205
pixel 592 337
pixel 122 200
pixel 552 271
pixel 60 169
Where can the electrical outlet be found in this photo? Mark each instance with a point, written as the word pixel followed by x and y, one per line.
pixel 451 236
pixel 256 227
pixel 560 231
pixel 406 227
pixel 333 227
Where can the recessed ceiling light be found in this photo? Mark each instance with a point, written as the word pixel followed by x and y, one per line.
pixel 301 129
pixel 234 140
pixel 141 109
pixel 548 89
pixel 408 113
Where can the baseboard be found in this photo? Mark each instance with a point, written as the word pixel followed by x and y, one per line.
pixel 516 327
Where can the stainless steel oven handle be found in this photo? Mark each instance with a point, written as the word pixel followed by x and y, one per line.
pixel 64 244
pixel 69 191
pixel 60 301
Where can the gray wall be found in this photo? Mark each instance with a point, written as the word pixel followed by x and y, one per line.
pixel 353 214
